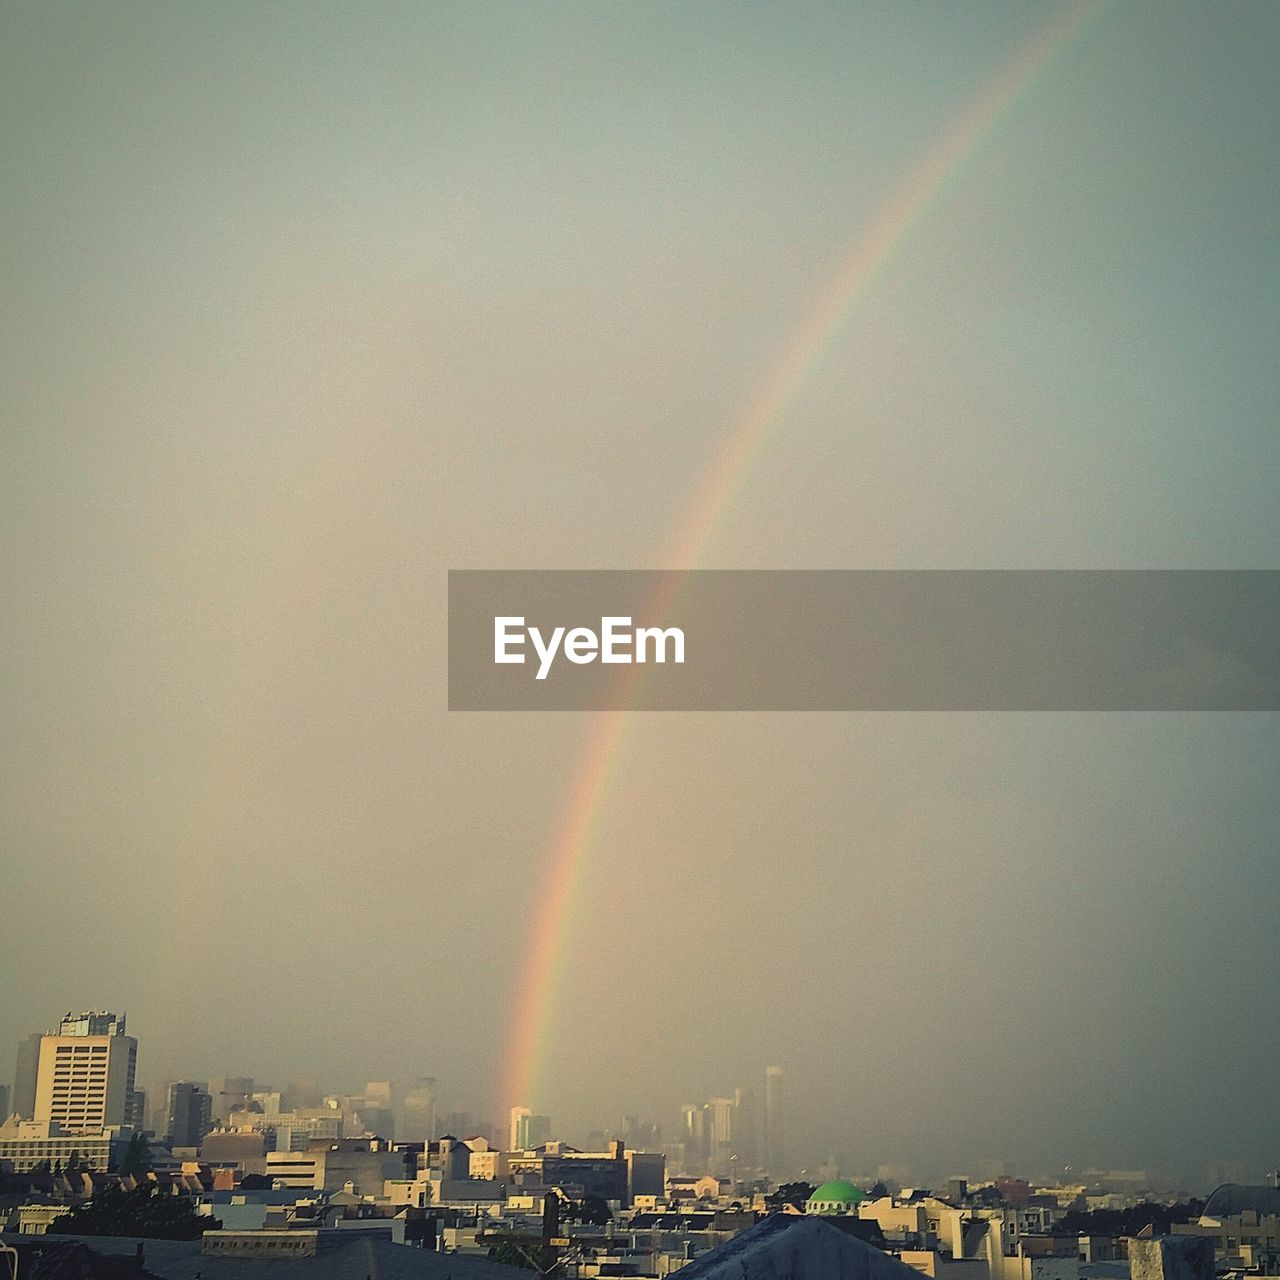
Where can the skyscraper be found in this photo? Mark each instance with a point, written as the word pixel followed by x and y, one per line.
pixel 696 1121
pixel 745 1139
pixel 376 1109
pixel 419 1111
pixel 230 1093
pixel 774 1145
pixel 189 1114
pixel 528 1129
pixel 300 1093
pixel 722 1135
pixel 517 1128
pixel 86 1072
pixel 24 1076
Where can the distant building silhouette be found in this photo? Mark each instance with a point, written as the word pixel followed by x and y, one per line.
pixel 230 1093
pixel 419 1111
pixel 775 1151
pixel 188 1113
pixel 745 1129
pixel 528 1130
pixel 24 1076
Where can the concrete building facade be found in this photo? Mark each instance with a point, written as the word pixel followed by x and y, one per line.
pixel 188 1113
pixel 86 1073
pixel 25 1071
pixel 29 1144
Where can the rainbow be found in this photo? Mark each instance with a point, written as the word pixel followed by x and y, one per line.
pixel 871 254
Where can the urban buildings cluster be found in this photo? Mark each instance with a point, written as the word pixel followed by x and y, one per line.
pixel 75 1094
pixel 295 1172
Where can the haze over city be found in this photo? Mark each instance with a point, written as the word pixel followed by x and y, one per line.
pixel 307 308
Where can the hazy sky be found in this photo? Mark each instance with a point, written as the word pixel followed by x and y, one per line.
pixel 308 303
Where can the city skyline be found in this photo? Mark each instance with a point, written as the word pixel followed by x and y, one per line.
pixel 699 1137
pixel 306 311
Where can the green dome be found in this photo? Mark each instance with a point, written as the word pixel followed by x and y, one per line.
pixel 834 1197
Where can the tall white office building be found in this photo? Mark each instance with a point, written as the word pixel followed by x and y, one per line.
pixel 86 1073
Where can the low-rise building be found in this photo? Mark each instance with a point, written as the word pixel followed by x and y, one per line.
pixel 603 1174
pixel 243 1150
pixel 1243 1223
pixel 328 1166
pixel 29 1144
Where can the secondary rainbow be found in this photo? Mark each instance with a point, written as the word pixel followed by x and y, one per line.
pixel 871 253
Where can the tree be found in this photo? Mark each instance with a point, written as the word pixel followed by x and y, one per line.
pixel 792 1193
pixel 141 1211
pixel 1130 1221
pixel 595 1211
pixel 137 1155
pixel 511 1252
pixel 878 1192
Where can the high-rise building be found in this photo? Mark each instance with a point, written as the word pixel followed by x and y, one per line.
pixel 300 1093
pixel 419 1111
pixel 745 1140
pixel 378 1093
pixel 519 1121
pixel 189 1114
pixel 24 1076
pixel 641 1135
pixel 372 1111
pixel 719 1136
pixel 775 1153
pixel 722 1135
pixel 230 1093
pixel 86 1072
pixel 695 1119
pixel 4 1103
pixel 528 1130
pixel 460 1124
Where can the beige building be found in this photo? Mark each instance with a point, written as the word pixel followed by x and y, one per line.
pixel 1243 1223
pixel 28 1144
pixel 488 1165
pixel 242 1149
pixel 294 1130
pixel 945 1241
pixel 299 1170
pixel 937 1266
pixel 331 1166
pixel 85 1076
pixel 36 1219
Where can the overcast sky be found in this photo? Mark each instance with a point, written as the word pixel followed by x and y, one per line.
pixel 308 303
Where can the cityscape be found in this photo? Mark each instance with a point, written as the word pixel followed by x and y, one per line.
pixel 231 1169
pixel 639 638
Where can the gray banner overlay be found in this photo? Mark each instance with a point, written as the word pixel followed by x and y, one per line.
pixel 869 640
